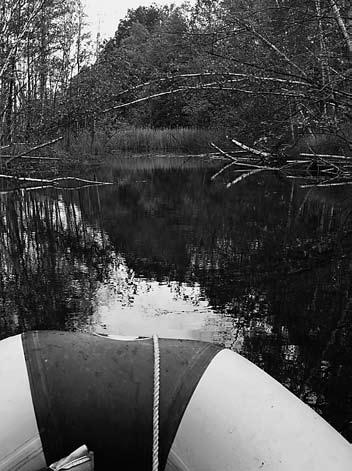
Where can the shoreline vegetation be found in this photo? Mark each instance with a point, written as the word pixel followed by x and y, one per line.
pixel 134 139
pixel 306 162
pixel 264 84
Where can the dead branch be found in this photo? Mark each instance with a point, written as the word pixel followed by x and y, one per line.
pixel 222 152
pixel 29 157
pixel 318 170
pixel 222 170
pixel 336 167
pixel 140 100
pixel 330 156
pixel 271 45
pixel 246 175
pixel 56 187
pixel 250 149
pixel 82 180
pixel 326 185
pixel 40 146
pixel 24 179
pixel 171 78
pixel 54 181
pixel 209 86
pixel 238 162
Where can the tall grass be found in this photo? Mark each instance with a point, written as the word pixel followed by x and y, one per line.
pixel 184 140
pixel 139 140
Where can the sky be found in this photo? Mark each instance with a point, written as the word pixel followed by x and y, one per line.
pixel 104 15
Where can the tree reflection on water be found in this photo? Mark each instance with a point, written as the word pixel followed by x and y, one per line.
pixel 51 262
pixel 263 268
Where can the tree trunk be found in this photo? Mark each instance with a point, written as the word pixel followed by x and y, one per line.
pixel 346 33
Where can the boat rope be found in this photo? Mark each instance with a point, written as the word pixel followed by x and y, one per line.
pixel 156 401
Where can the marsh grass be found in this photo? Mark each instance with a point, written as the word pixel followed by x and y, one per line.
pixel 183 140
pixel 144 140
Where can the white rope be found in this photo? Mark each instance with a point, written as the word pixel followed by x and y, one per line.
pixel 156 400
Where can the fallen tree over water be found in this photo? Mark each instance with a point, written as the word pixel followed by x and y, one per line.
pixel 29 183
pixel 60 183
pixel 32 149
pixel 309 169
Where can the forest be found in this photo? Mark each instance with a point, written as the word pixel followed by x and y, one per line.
pixel 271 73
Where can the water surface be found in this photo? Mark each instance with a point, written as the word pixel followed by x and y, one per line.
pixel 263 268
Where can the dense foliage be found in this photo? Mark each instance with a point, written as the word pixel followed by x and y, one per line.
pixel 42 46
pixel 272 70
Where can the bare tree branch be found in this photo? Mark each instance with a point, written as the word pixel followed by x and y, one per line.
pixel 341 23
pixel 250 149
pixel 246 175
pixel 40 146
pixel 271 45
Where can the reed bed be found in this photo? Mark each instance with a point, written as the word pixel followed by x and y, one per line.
pixel 140 140
pixel 181 139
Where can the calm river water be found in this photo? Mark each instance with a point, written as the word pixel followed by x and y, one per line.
pixel 263 268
